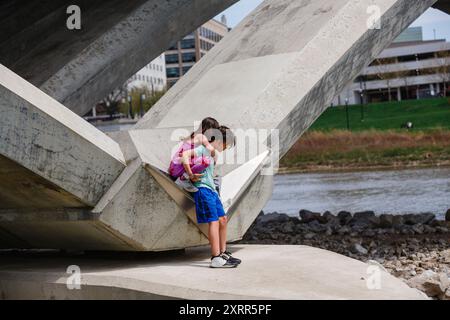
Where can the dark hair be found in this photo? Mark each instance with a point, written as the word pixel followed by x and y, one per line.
pixel 227 136
pixel 207 125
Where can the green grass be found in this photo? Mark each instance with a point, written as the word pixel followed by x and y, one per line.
pixel 424 114
pixel 370 158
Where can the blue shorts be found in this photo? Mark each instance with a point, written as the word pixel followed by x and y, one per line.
pixel 208 206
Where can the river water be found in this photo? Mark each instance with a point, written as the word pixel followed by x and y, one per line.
pixel 395 192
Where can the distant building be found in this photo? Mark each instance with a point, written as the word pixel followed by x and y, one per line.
pixel 410 35
pixel 409 69
pixel 152 76
pixel 182 56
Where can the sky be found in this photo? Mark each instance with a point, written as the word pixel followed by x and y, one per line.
pixel 431 20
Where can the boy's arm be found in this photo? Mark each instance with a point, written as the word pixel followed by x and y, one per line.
pixel 187 155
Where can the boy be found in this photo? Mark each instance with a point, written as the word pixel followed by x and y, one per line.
pixel 208 206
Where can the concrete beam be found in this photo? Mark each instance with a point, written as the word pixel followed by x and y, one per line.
pixel 140 208
pixel 443 5
pixel 118 38
pixel 53 149
pixel 56 228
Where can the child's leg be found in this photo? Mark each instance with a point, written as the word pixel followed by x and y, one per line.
pixel 223 233
pixel 214 238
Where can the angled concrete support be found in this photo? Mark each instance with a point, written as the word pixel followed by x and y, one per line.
pixel 443 5
pixel 50 156
pixel 282 65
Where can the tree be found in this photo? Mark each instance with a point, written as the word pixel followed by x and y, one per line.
pixel 443 69
pixel 383 73
pixel 151 98
pixel 113 100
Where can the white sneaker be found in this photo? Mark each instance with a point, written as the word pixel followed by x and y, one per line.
pixel 220 262
pixel 186 185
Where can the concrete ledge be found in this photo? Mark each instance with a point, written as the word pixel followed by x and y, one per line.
pixel 267 272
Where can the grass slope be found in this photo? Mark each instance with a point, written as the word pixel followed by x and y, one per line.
pixel 424 114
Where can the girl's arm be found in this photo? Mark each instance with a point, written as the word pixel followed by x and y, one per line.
pixel 185 160
pixel 204 141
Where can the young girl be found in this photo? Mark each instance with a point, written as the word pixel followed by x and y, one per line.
pixel 201 137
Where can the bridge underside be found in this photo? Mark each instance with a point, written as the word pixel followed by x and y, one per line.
pixel 62 180
pixel 443 5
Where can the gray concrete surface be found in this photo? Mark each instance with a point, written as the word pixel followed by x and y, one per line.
pixel 267 272
pixel 51 157
pixel 117 38
pixel 443 5
pixel 54 228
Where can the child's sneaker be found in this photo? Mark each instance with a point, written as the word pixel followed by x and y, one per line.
pixel 186 184
pixel 221 262
pixel 227 256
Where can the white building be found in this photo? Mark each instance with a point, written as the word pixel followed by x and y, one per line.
pixel 409 69
pixel 168 68
pixel 152 76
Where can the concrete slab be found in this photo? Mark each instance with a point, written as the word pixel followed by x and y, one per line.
pixel 267 272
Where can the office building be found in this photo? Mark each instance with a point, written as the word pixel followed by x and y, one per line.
pixel 152 76
pixel 182 56
pixel 410 68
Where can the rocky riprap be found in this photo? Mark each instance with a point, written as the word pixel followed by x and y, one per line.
pixel 413 247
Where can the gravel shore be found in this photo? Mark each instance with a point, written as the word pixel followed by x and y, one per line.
pixel 413 247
